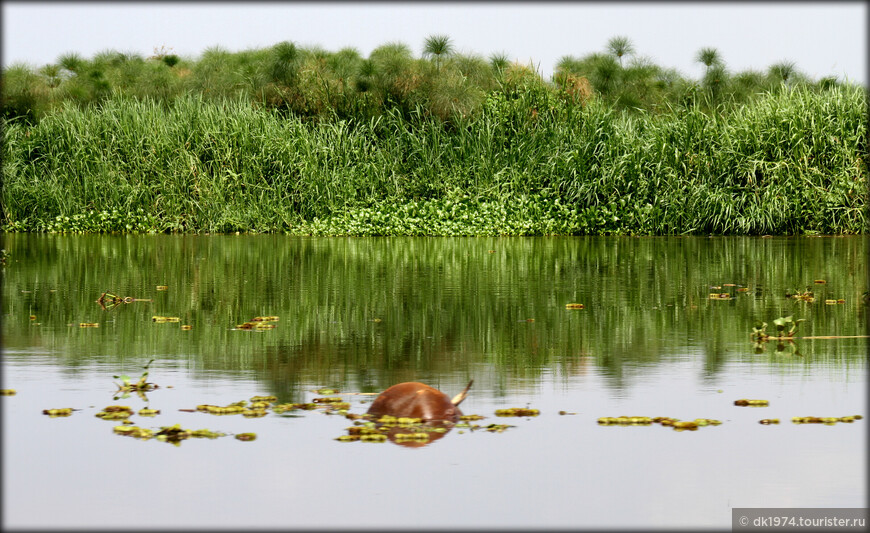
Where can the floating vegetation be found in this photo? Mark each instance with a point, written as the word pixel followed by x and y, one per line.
pixel 827 420
pixel 115 412
pixel 134 431
pixel 471 417
pixel 819 281
pixel 326 390
pixel 162 287
pixel 206 434
pixel 330 399
pixel 8 392
pixel 255 326
pixel 497 428
pixel 768 421
pixel 405 431
pixel 89 324
pixel 566 413
pixel 665 421
pixel 140 386
pixel 186 327
pixel 109 301
pixel 720 296
pixel 173 434
pixel 420 437
pixel 284 407
pixel 149 412
pixel 751 403
pixel 803 296
pixel 264 399
pixel 65 411
pixel 625 420
pixel 164 319
pixel 232 409
pixel 759 331
pixel 258 323
pixel 574 306
pixel 517 411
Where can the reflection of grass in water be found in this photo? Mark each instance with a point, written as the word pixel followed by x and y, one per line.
pixel 373 312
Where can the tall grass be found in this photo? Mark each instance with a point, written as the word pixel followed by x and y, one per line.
pixel 530 161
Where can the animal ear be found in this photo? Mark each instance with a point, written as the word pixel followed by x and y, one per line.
pixel 461 396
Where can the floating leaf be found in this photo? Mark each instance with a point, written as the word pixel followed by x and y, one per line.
pixel 65 411
pixel 266 399
pixel 751 403
pixel 517 411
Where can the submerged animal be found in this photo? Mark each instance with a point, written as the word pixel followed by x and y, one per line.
pixel 413 399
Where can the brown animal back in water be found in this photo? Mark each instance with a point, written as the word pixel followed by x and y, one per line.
pixel 415 400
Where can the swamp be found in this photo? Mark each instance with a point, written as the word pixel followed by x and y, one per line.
pixel 759 343
pixel 656 286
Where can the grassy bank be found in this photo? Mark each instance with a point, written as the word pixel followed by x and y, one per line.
pixel 528 163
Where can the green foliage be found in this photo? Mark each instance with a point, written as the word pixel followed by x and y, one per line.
pixel 22 91
pixel 709 57
pixel 437 47
pixel 620 46
pixel 529 162
pixel 317 84
pixel 305 140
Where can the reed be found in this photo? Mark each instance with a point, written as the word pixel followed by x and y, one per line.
pixel 530 161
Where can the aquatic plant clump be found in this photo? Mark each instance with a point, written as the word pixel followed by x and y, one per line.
pixel 665 421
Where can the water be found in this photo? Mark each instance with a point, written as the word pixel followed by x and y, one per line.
pixel 363 314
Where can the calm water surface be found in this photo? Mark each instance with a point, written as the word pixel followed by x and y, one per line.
pixel 363 314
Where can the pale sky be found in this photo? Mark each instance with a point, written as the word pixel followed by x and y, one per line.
pixel 821 38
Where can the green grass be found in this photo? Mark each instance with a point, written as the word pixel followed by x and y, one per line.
pixel 528 163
